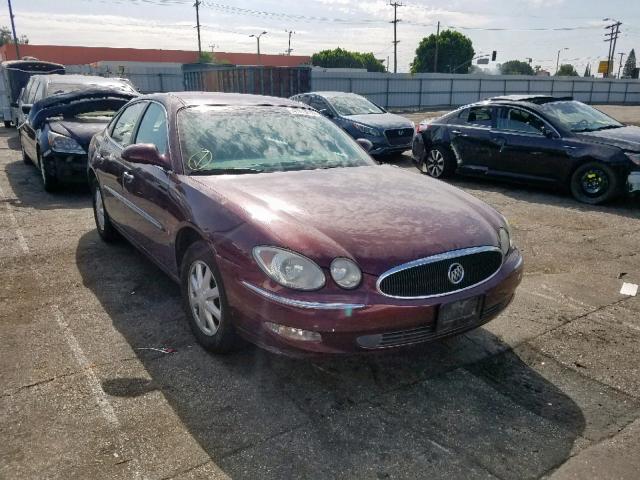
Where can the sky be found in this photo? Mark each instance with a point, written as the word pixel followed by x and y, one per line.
pixel 516 29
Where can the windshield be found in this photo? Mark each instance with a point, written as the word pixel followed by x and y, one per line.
pixel 347 105
pixel 579 117
pixel 219 140
pixel 57 88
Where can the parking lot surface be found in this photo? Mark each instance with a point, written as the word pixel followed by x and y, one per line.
pixel 551 388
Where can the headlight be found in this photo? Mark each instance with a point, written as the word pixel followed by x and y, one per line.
pixel 345 273
pixel 289 269
pixel 60 143
pixel 634 157
pixel 374 132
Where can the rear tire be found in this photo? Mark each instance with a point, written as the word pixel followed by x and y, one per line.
pixel 594 183
pixel 205 301
pixel 8 124
pixel 438 162
pixel 105 228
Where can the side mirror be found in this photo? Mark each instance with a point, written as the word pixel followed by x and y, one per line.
pixel 366 145
pixel 145 154
pixel 26 109
pixel 327 113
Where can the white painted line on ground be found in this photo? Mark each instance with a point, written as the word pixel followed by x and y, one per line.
pixel 101 398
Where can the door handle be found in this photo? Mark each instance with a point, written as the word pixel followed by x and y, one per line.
pixel 456 132
pixel 128 177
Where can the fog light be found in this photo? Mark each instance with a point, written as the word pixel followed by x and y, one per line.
pixel 293 333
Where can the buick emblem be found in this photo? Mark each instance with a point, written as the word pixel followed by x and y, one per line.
pixel 456 273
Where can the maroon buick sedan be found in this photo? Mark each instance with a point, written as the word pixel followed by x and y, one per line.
pixel 281 230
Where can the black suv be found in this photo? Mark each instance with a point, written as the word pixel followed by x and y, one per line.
pixel 538 140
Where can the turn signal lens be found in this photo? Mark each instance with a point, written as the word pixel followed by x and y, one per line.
pixel 293 333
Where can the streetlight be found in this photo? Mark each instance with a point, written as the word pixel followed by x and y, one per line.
pixel 558 61
pixel 257 37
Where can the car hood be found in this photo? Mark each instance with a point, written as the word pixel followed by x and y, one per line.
pixel 381 216
pixel 81 130
pixel 627 138
pixel 381 120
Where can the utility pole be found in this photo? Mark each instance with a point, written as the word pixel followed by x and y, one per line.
pixel 613 37
pixel 197 5
pixel 13 29
pixel 289 50
pixel 212 46
pixel 558 60
pixel 435 59
pixel 395 21
pixel 622 54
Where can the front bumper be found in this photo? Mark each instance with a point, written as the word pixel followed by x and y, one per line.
pixel 386 149
pixel 353 322
pixel 66 167
pixel 633 182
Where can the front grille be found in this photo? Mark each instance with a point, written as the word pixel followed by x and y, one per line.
pixel 399 136
pixel 429 277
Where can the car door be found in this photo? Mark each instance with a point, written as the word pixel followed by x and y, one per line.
pixel 110 175
pixel 147 188
pixel 529 148
pixel 470 138
pixel 27 132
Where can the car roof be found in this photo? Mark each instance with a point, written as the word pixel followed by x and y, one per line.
pixel 531 99
pixel 218 98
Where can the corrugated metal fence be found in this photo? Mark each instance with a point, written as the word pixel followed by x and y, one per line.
pixel 443 90
pixel 275 81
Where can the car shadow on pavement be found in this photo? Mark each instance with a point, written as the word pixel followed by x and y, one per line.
pixel 29 193
pixel 468 407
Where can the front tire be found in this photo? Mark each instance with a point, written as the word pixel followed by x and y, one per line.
pixel 105 228
pixel 49 182
pixel 438 162
pixel 205 302
pixel 594 183
pixel 25 157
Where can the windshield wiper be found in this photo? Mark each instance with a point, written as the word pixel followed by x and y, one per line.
pixel 606 127
pixel 226 171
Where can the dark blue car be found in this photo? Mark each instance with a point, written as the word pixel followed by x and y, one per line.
pixel 360 118
pixel 536 140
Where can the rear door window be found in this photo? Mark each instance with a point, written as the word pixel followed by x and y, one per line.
pixel 318 103
pixel 124 127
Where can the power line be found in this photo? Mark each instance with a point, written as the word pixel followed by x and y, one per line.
pixel 613 38
pixel 395 21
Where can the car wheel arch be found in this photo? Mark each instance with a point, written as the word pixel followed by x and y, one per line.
pixel 186 236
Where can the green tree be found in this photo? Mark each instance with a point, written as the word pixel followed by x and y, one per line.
pixel 7 37
pixel 629 65
pixel 455 53
pixel 516 67
pixel 340 58
pixel 567 70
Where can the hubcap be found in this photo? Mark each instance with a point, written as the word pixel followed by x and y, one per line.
pixel 204 298
pixel 434 164
pixel 594 182
pixel 99 209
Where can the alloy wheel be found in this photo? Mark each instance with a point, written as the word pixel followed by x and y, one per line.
pixel 434 163
pixel 594 181
pixel 204 298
